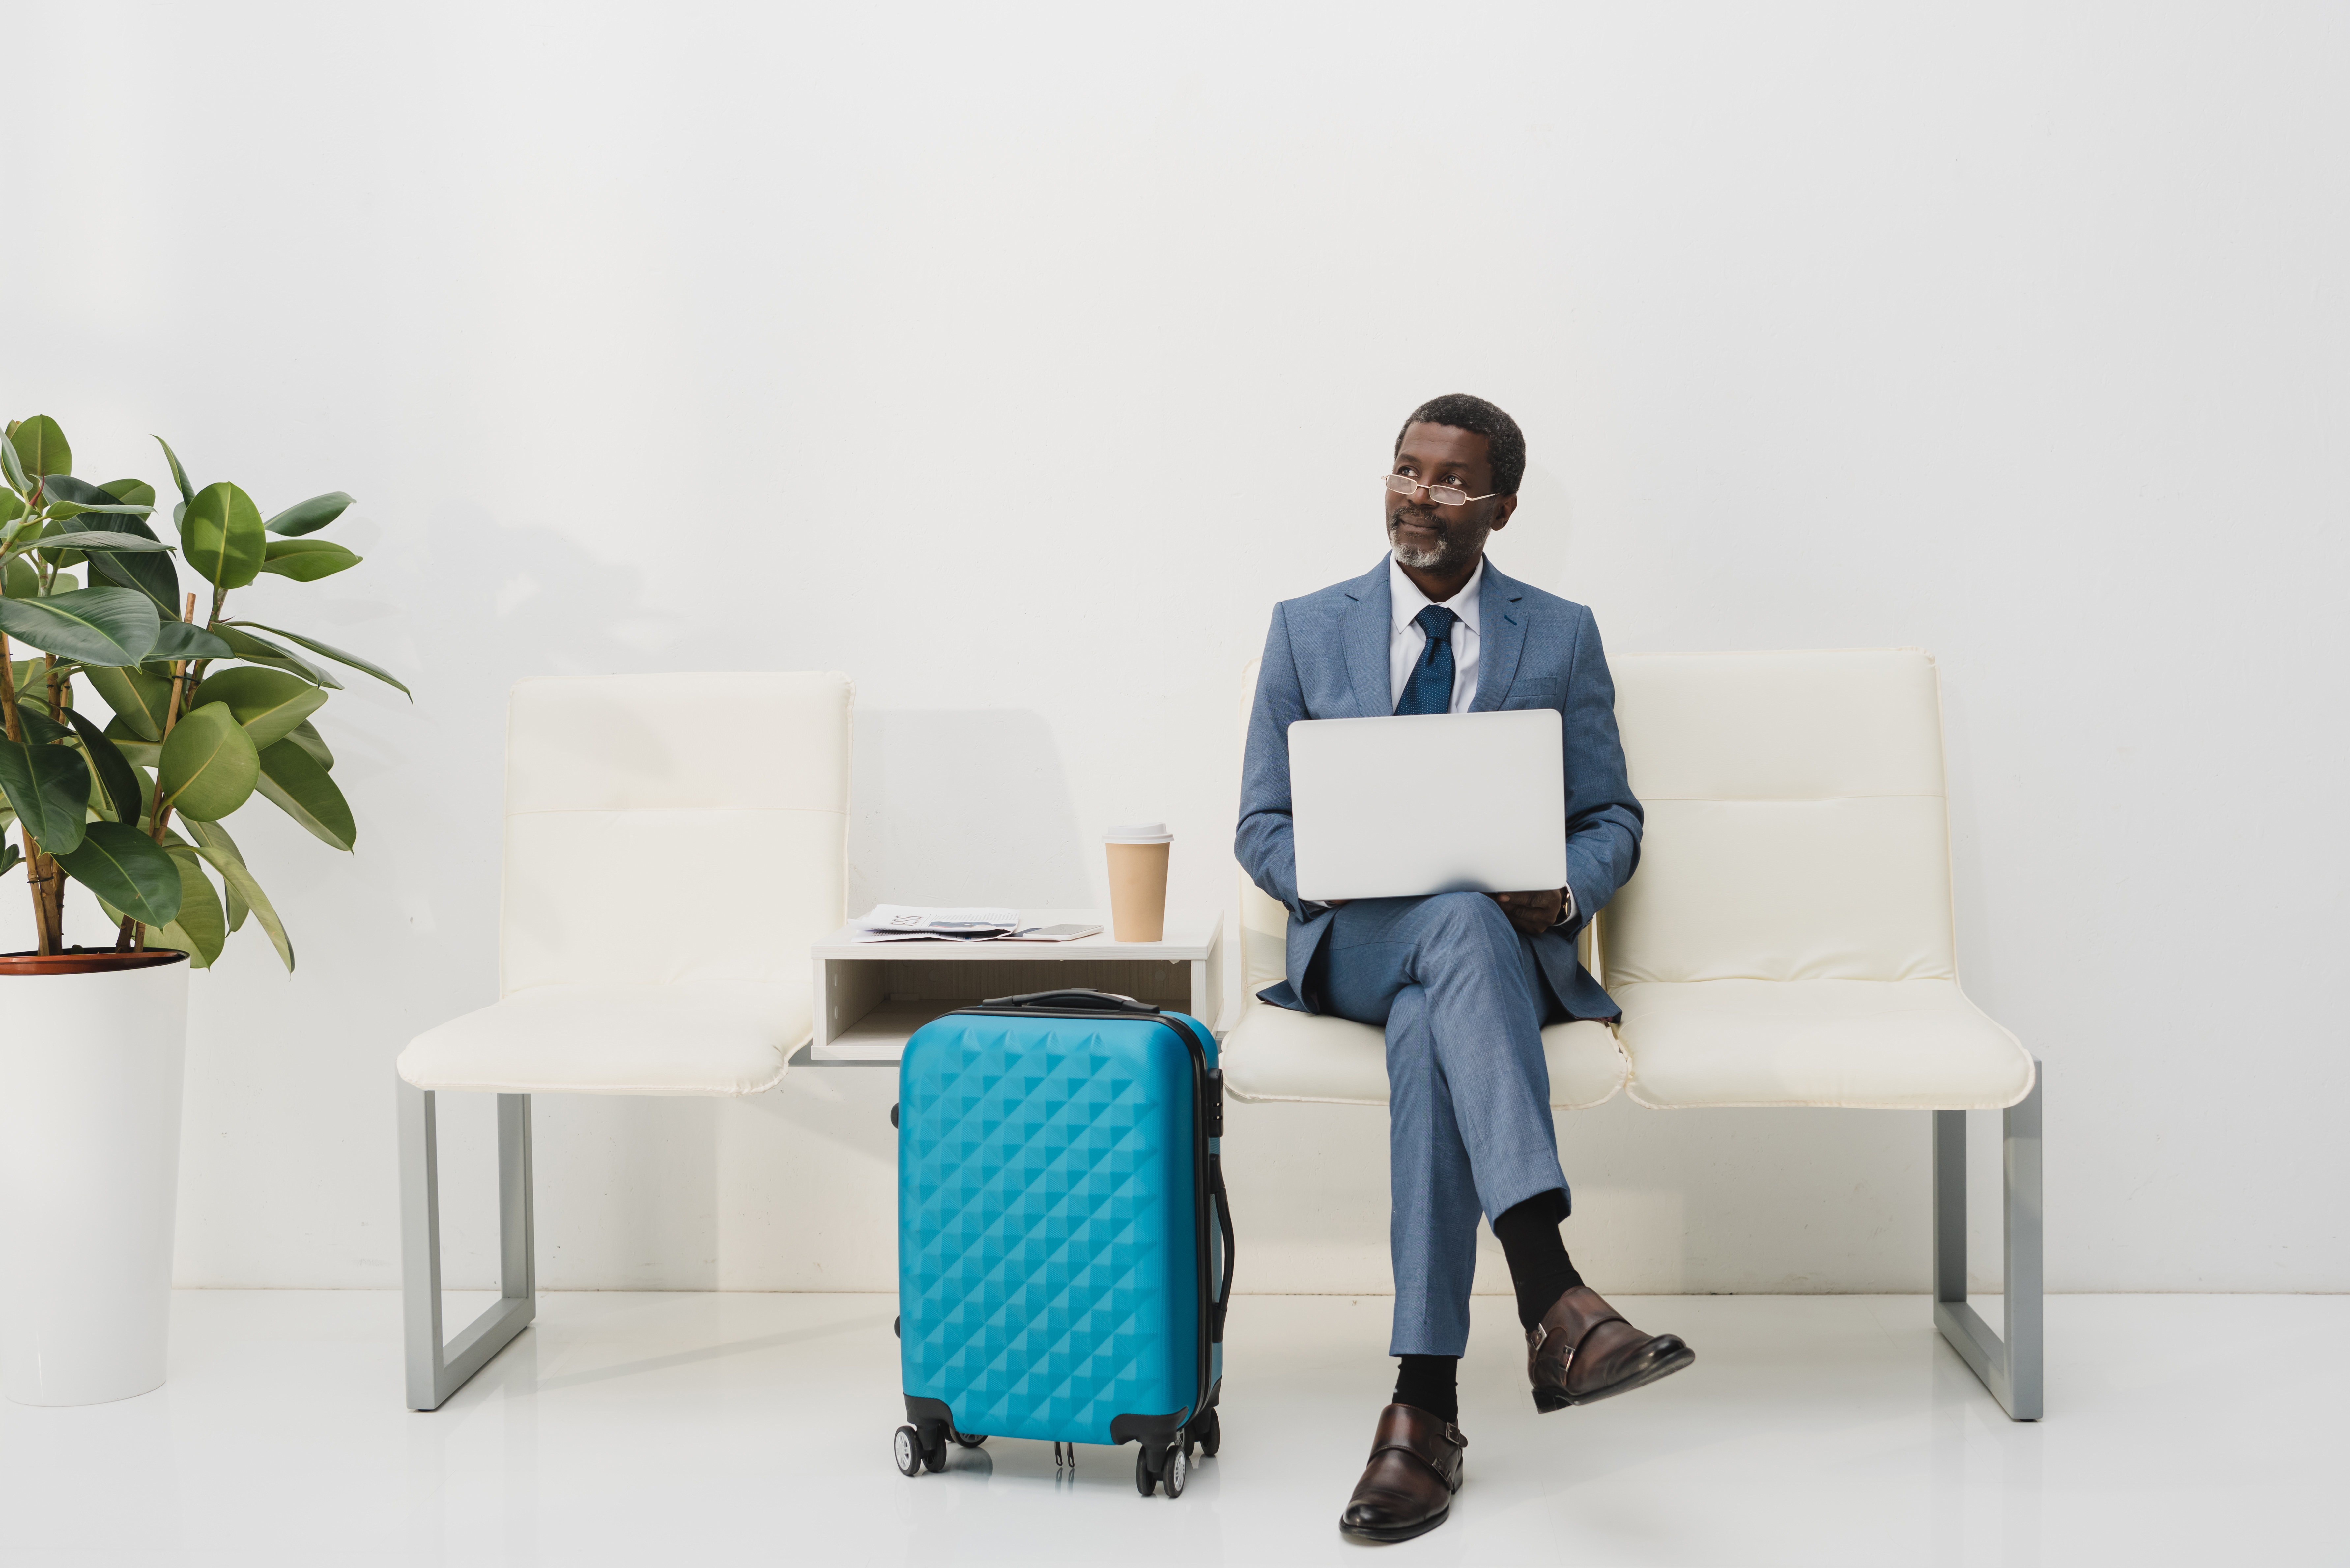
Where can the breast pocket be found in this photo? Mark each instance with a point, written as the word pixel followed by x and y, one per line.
pixel 1532 695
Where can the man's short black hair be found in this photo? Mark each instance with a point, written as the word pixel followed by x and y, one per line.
pixel 1505 445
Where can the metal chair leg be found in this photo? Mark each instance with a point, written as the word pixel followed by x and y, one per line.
pixel 436 1370
pixel 2010 1364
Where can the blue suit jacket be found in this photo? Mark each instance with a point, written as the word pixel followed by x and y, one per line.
pixel 1326 657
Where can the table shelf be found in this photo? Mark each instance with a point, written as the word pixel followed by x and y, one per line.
pixel 872 996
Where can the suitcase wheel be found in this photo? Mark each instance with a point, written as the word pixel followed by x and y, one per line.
pixel 1157 1468
pixel 966 1439
pixel 906 1446
pixel 1206 1434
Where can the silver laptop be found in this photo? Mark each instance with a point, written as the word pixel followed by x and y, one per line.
pixel 1432 803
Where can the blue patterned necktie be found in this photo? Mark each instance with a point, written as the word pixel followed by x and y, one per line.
pixel 1429 690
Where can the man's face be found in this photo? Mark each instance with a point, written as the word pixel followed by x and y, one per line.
pixel 1443 539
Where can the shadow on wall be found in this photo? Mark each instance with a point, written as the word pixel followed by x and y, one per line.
pixel 1532 548
pixel 963 806
pixel 626 1189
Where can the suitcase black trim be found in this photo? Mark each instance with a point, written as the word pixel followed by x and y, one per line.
pixel 1207 1189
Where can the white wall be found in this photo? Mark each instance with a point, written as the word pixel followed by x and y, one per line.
pixel 1015 360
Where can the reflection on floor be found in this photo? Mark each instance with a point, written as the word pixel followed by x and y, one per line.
pixel 668 1429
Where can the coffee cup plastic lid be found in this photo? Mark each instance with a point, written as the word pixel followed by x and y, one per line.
pixel 1139 832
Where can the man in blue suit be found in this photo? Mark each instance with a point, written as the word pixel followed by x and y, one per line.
pixel 1462 983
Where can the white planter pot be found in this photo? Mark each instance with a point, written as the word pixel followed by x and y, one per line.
pixel 89 1165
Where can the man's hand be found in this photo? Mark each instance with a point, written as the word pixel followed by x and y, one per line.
pixel 1533 913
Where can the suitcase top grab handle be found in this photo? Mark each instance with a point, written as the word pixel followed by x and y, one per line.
pixel 1074 998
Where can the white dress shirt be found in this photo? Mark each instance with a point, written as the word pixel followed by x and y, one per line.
pixel 1407 642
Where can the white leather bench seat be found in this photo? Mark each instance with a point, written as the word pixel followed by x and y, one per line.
pixel 1884 1044
pixel 1276 1053
pixel 1787 939
pixel 690 1037
pixel 673 844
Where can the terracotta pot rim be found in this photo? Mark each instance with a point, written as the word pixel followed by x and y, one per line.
pixel 99 961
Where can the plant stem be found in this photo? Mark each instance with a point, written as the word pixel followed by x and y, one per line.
pixel 161 815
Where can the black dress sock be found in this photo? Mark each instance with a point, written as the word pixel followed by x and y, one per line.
pixel 1432 1383
pixel 1539 1269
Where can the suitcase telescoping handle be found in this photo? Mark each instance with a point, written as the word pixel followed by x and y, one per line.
pixel 1075 998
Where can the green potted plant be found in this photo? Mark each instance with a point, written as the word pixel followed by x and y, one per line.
pixel 205 712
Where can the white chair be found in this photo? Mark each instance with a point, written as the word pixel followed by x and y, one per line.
pixel 1276 1053
pixel 673 844
pixel 1787 939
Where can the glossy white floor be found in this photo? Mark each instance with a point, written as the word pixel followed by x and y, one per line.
pixel 732 1428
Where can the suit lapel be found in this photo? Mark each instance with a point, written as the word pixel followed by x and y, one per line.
pixel 1367 633
pixel 1502 637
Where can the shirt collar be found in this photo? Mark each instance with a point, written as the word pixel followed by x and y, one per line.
pixel 1405 601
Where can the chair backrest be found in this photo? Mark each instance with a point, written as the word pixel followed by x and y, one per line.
pixel 665 827
pixel 1797 827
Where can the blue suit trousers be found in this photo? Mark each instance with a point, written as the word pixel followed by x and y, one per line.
pixel 1460 994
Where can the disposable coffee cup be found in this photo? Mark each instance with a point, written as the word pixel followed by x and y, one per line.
pixel 1137 881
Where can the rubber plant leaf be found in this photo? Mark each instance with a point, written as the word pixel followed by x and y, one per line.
pixel 337 654
pixel 221 536
pixel 214 845
pixel 149 571
pixel 308 560
pixel 198 929
pixel 58 555
pixel 210 764
pixel 268 702
pixel 48 789
pixel 137 698
pixel 113 769
pixel 92 537
pixel 91 625
pixel 179 474
pixel 183 639
pixel 261 650
pixel 69 497
pixel 32 717
pixel 293 781
pixel 306 735
pixel 309 516
pixel 132 873
pixel 41 448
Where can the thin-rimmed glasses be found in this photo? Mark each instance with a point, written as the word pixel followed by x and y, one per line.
pixel 1442 495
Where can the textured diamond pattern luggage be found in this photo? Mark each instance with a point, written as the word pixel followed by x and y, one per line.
pixel 1062 1247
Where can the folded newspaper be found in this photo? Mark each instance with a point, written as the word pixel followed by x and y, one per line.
pixel 912 923
pixel 920 923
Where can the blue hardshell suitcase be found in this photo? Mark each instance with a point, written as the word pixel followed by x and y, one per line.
pixel 1063 1246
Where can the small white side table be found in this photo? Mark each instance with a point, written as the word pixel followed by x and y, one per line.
pixel 872 996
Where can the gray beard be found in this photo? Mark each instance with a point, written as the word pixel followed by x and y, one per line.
pixel 1440 556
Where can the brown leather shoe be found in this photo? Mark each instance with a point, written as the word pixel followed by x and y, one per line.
pixel 1406 1489
pixel 1582 1350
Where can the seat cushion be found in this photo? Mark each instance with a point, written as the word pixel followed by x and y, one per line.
pixel 1278 1053
pixel 696 1038
pixel 1885 1045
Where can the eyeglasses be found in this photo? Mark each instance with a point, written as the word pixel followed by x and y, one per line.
pixel 1442 495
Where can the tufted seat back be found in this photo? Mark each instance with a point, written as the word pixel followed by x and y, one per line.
pixel 673 828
